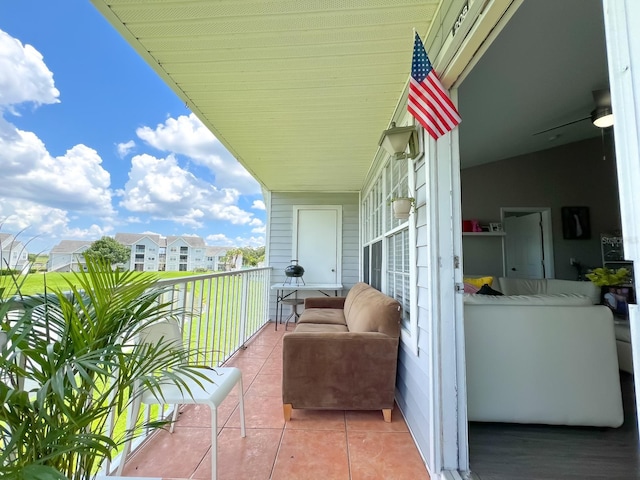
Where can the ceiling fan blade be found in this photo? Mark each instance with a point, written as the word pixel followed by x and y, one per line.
pixel 563 125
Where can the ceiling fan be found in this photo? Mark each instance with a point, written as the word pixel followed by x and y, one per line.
pixel 601 116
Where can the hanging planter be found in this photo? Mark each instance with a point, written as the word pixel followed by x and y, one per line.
pixel 402 207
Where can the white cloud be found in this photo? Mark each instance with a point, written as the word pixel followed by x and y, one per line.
pixel 125 148
pixel 24 77
pixel 222 240
pixel 219 239
pixel 258 205
pixel 164 190
pixel 45 225
pixel 262 229
pixel 73 181
pixel 250 242
pixel 187 136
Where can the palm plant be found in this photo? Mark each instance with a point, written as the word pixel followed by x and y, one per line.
pixel 68 360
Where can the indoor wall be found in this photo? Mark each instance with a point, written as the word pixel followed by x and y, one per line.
pixel 576 174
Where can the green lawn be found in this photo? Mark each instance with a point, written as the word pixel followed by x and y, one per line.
pixel 35 282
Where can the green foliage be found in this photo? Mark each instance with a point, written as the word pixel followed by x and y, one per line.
pixel 8 271
pixel 605 276
pixel 109 249
pixel 251 257
pixel 79 360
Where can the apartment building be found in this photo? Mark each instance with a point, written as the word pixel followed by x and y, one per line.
pixel 147 251
pixel 67 256
pixel 13 253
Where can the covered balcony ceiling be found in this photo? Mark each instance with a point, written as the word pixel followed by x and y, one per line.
pixel 298 91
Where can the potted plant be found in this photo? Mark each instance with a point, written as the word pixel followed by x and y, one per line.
pixel 604 277
pixel 402 206
pixel 68 360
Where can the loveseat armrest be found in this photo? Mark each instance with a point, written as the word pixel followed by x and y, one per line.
pixel 339 370
pixel 324 302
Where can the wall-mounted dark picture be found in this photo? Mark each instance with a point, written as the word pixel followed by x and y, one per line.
pixel 575 223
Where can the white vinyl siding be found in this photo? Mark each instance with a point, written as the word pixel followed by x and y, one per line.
pixel 281 234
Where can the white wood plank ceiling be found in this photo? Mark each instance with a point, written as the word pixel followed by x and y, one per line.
pixel 298 91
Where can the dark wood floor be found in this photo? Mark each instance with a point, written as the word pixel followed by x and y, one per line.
pixel 511 451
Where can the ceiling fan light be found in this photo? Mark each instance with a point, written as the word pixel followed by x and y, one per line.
pixel 602 117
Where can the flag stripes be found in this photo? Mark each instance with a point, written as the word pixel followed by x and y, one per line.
pixel 428 101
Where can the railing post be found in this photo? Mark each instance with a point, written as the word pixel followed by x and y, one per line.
pixel 243 308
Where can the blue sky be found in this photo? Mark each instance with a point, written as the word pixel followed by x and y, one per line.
pixel 92 142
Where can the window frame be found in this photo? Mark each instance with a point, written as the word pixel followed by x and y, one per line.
pixel 378 225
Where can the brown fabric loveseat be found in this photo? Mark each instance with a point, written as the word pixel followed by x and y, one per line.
pixel 343 353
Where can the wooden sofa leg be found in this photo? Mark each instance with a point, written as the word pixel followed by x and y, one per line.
pixel 287 407
pixel 386 413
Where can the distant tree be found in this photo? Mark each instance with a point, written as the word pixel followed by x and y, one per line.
pixel 32 257
pixel 252 256
pixel 109 249
pixel 231 258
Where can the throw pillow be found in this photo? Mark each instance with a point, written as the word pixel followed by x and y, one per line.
pixel 478 281
pixel 487 290
pixel 468 288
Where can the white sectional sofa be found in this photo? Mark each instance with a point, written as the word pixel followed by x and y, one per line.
pixel 510 286
pixel 548 357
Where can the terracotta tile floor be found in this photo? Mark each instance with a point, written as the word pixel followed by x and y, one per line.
pixel 313 445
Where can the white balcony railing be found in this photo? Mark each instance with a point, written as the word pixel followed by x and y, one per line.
pixel 219 312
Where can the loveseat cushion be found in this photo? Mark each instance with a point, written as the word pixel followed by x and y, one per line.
pixel 373 311
pixel 356 290
pixel 320 328
pixel 333 316
pixel 528 300
pixel 324 302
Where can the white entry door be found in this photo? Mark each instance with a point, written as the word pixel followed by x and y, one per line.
pixel 524 252
pixel 317 242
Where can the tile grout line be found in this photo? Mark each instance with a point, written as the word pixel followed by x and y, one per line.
pixel 346 437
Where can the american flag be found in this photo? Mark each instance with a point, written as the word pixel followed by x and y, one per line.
pixel 429 102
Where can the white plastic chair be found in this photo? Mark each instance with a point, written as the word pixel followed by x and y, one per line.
pixel 223 379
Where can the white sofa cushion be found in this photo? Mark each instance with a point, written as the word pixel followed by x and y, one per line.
pixel 549 286
pixel 567 299
pixel 569 286
pixel 542 364
pixel 521 286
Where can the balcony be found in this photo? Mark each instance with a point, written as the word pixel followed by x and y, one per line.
pixel 225 320
pixel 314 444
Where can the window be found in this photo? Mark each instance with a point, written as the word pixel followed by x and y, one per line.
pixel 376 265
pixel 365 264
pixel 399 271
pixel 387 245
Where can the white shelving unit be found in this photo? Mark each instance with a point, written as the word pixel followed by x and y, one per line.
pixel 483 234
